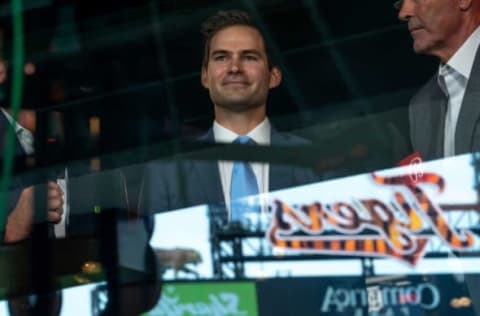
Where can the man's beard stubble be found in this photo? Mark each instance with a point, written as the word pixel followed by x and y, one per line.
pixel 237 106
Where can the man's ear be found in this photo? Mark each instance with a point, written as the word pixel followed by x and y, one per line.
pixel 204 78
pixel 464 5
pixel 275 77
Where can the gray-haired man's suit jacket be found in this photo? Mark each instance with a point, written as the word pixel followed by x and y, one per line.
pixel 427 117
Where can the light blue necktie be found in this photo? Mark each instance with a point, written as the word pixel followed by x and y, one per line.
pixel 244 183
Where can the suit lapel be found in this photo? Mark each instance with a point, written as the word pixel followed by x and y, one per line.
pixel 469 111
pixel 279 175
pixel 207 175
pixel 437 139
pixel 428 119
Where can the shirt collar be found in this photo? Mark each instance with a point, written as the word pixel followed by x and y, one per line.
pixel 10 120
pixel 462 60
pixel 260 134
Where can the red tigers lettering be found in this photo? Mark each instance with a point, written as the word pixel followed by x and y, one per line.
pixel 368 226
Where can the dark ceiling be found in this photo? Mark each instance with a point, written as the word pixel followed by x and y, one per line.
pixel 137 63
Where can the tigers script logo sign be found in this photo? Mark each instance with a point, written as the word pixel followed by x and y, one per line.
pixel 400 229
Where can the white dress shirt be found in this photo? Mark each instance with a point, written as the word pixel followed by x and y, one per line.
pixel 25 138
pixel 261 136
pixel 453 79
pixel 60 229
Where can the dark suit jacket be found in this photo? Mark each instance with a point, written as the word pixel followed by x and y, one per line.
pixel 427 117
pixel 16 183
pixel 178 184
pixel 4 124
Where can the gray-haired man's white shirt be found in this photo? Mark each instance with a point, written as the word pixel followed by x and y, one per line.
pixel 453 79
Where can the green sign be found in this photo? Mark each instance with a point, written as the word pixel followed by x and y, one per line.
pixel 207 299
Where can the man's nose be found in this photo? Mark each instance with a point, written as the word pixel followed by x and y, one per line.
pixel 235 65
pixel 405 9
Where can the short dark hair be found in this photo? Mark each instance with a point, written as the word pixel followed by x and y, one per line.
pixel 223 19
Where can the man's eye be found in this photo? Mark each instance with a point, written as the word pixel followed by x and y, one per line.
pixel 219 58
pixel 251 58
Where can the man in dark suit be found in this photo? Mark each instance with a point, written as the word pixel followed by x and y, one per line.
pixel 88 192
pixel 444 114
pixel 17 152
pixel 20 198
pixel 238 72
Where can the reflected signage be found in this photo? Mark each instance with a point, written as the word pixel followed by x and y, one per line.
pixel 423 295
pixel 376 296
pixel 399 227
pixel 209 298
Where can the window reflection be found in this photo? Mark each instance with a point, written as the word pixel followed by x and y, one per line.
pixel 134 189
